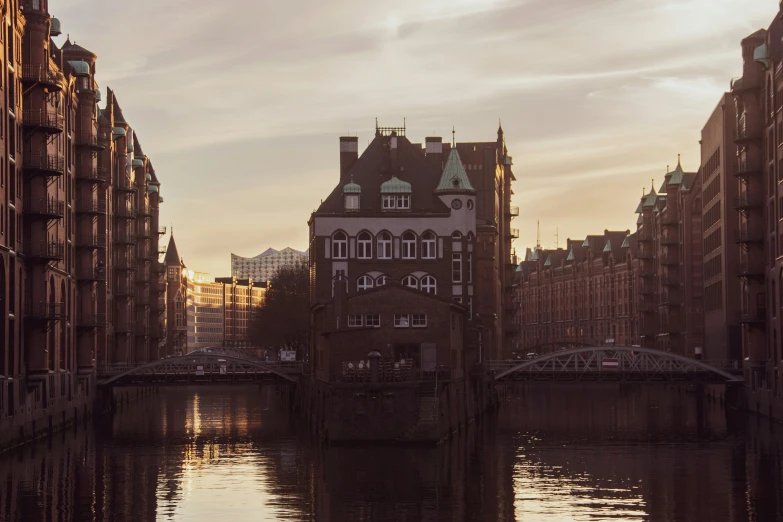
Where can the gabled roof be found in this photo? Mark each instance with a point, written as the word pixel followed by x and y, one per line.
pixel 72 47
pixel 649 202
pixel 640 208
pixel 626 242
pixel 608 247
pixel 172 256
pixel 676 178
pixel 454 178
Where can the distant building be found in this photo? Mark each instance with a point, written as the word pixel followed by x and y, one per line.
pixel 263 266
pixel 203 312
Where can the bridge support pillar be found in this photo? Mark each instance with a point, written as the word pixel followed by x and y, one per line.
pixel 735 395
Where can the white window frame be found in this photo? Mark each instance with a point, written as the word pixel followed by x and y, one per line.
pixel 428 245
pixel 418 320
pixel 355 320
pixel 340 246
pixel 470 268
pixel 428 283
pixel 403 201
pixel 372 320
pixel 381 280
pixel 408 245
pixel 364 282
pixel 384 245
pixel 402 321
pixel 364 245
pixel 351 202
pixel 389 202
pixel 456 267
pixel 408 279
pixel 456 235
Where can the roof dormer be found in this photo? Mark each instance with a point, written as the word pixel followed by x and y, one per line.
pixel 352 194
pixel 396 194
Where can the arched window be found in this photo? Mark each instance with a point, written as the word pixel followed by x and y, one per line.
pixel 364 283
pixel 428 245
pixel 456 235
pixel 428 285
pixel 409 245
pixel 410 282
pixel 339 245
pixel 381 280
pixel 384 245
pixel 364 245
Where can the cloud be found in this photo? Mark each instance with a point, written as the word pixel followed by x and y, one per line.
pixel 240 104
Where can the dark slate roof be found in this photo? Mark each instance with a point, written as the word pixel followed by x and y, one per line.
pixel 687 180
pixel 172 256
pixel 73 48
pixel 375 166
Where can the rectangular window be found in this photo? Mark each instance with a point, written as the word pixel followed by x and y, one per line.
pixel 470 268
pixel 351 202
pixel 401 321
pixel 456 268
pixel 403 202
pixel 354 320
pixel 373 320
pixel 419 320
pixel 389 202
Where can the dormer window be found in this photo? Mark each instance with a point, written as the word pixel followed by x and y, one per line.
pixel 352 192
pixel 396 194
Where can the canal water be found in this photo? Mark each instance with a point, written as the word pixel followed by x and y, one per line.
pixel 552 453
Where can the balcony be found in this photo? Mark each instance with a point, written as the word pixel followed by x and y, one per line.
pixel 162 251
pixel 158 287
pixel 90 141
pixel 162 231
pixel 145 233
pixel 670 260
pixel 45 208
pixel 142 301
pixel 644 256
pixel 749 270
pixel 96 207
pixel 646 273
pixel 41 311
pixel 92 241
pixel 740 85
pixel 513 212
pixel 743 170
pixel 48 164
pixel 757 316
pixel 644 236
pixel 143 278
pixel 743 135
pixel 670 280
pixel 51 121
pixel 125 264
pixel 124 184
pixel 91 275
pixel 669 221
pixel 145 210
pixel 513 233
pixel 124 289
pixel 125 328
pixel 123 238
pixel 670 241
pixel 125 213
pixel 91 174
pixel 749 236
pixel 32 74
pixel 46 251
pixel 88 321
pixel 745 202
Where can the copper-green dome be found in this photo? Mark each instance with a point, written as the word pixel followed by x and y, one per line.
pixel 396 186
pixel 352 188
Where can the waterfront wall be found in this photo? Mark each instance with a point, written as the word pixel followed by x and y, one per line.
pixel 393 412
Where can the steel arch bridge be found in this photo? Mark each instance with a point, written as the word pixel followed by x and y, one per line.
pixel 200 368
pixel 615 363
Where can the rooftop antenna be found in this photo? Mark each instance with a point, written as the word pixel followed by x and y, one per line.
pixel 538 234
pixel 557 238
pixel 453 137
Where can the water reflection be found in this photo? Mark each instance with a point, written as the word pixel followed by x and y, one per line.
pixel 554 452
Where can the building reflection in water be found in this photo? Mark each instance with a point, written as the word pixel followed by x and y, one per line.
pixel 554 452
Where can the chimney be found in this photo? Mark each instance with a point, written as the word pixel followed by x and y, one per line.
pixel 349 153
pixel 434 150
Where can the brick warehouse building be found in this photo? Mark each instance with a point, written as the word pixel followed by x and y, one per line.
pixel 432 219
pixel 628 289
pixel 61 169
pixel 758 166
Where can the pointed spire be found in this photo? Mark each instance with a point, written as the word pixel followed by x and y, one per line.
pixel 172 256
pixel 453 137
pixel 538 233
pixel 500 128
pixel 454 178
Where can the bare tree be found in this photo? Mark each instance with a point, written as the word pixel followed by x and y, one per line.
pixel 284 316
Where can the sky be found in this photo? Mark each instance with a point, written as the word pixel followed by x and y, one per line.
pixel 240 103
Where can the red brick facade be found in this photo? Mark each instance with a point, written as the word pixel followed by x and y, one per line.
pixel 78 224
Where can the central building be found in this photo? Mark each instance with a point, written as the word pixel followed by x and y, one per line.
pixel 410 258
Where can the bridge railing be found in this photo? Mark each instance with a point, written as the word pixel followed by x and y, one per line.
pixel 105 371
pixel 499 365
